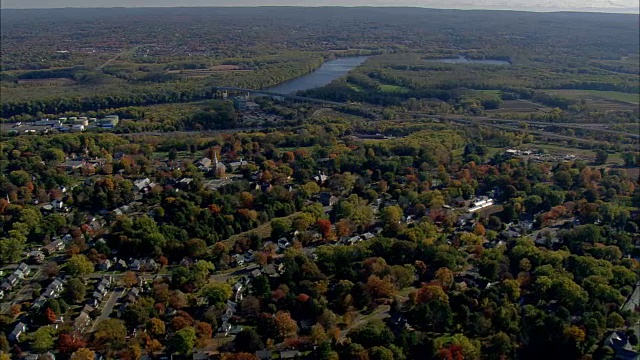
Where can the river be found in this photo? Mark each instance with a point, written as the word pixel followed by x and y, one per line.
pixel 324 75
pixel 464 60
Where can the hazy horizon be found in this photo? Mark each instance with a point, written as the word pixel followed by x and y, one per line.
pixel 607 6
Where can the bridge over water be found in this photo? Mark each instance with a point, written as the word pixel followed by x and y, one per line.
pixel 278 95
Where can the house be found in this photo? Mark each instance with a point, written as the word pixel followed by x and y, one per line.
pixel 12 279
pixel 121 265
pixel 37 257
pixel 204 163
pixel 71 165
pixel 283 243
pixel 98 296
pixel 56 245
pixel 237 290
pixel 149 265
pixel 368 236
pixel 200 356
pixel 6 286
pixel 239 259
pixel 273 271
pixel 225 328
pixel 104 265
pixel 19 274
pixel 26 270
pixel 141 184
pixel 327 199
pixel 619 342
pixel 133 295
pixel 81 323
pixel 250 256
pixel 101 289
pixel 480 203
pixel 255 273
pixel 321 178
pixel 135 265
pixel 20 329
pixel 290 354
pixel 264 354
pixel 236 164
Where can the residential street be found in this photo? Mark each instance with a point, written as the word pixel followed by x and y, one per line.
pixel 108 306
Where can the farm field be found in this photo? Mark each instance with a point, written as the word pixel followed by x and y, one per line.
pixel 598 95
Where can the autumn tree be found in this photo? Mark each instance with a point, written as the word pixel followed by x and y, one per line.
pixel 69 343
pixel 129 279
pixel 325 228
pixel 287 327
pixel 83 354
pixel 156 327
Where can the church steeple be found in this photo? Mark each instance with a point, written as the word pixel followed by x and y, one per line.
pixel 215 159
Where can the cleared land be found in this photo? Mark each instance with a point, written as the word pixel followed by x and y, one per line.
pixel 598 96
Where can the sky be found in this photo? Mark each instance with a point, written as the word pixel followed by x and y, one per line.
pixel 626 6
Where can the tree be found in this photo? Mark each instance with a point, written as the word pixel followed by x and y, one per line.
pixel 430 293
pixel 109 334
pixel 83 354
pixel 248 340
pixel 53 155
pixel 629 159
pixel 51 269
pixel 69 343
pixel 204 331
pixel 325 228
pixel 156 327
pixel 380 288
pixel 217 293
pixel 178 299
pixel 129 279
pixel 184 340
pixel 318 334
pixel 380 353
pixel 75 290
pixel 601 157
pixel 42 339
pixel 79 265
pixel 280 228
pixel 615 321
pixel 391 217
pixel 287 327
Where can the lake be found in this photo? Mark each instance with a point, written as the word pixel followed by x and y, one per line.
pixel 464 60
pixel 324 75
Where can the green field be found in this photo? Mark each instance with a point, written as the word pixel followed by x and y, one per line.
pixel 597 95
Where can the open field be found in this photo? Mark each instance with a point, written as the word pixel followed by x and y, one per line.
pixel 45 82
pixel 519 106
pixel 598 96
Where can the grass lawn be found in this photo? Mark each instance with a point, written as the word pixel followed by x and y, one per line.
pixel 355 87
pixel 596 94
